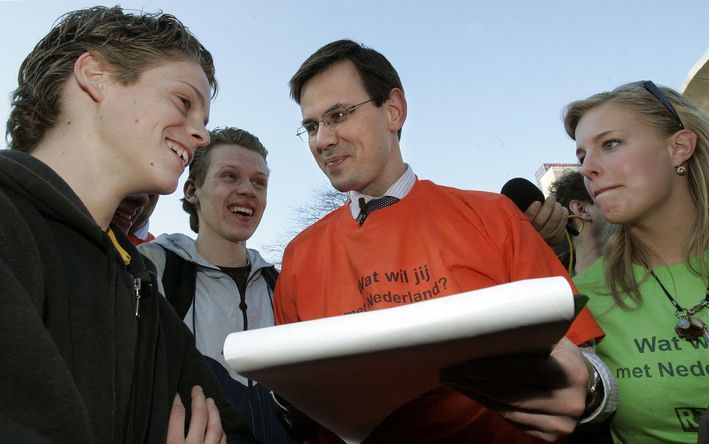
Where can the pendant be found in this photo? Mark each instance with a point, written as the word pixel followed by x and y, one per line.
pixel 689 328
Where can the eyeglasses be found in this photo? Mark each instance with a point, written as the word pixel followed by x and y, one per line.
pixel 656 92
pixel 330 119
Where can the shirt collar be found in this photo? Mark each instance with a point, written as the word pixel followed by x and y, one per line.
pixel 399 189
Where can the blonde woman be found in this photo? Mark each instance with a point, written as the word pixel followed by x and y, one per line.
pixel 644 155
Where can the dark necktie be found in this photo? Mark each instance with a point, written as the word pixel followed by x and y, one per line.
pixel 367 208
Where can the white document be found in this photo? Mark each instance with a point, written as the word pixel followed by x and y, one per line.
pixel 350 372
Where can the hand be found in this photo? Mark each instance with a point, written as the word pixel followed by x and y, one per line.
pixel 542 394
pixel 205 423
pixel 549 219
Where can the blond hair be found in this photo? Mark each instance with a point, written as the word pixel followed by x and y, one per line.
pixel 622 250
pixel 130 43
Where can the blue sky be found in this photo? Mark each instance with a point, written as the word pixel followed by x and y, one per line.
pixel 485 81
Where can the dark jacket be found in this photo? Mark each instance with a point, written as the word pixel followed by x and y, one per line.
pixel 78 365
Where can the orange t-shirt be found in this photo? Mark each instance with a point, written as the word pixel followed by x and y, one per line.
pixel 435 242
pixel 138 241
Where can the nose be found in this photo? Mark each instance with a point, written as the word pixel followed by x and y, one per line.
pixel 199 134
pixel 590 167
pixel 325 138
pixel 245 187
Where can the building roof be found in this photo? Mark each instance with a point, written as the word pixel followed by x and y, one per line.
pixel 696 86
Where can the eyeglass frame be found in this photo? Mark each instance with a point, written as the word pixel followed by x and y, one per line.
pixel 657 93
pixel 326 117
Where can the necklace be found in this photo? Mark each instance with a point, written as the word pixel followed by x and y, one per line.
pixel 688 327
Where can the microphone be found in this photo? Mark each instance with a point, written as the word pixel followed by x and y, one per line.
pixel 523 192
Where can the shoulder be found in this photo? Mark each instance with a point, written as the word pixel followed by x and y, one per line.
pixel 156 251
pixel 325 224
pixel 24 238
pixel 480 200
pixel 592 283
pixel 178 243
pixel 19 224
pixel 592 277
pixel 493 211
pixel 257 261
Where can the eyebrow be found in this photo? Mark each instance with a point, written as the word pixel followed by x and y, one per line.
pixel 237 167
pixel 602 135
pixel 333 107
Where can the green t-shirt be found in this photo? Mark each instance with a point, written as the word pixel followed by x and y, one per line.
pixel 663 379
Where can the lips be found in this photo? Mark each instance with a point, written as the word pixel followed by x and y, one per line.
pixel 602 190
pixel 124 218
pixel 183 153
pixel 334 161
pixel 241 210
pixel 125 214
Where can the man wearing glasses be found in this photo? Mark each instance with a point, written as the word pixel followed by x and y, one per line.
pixel 401 236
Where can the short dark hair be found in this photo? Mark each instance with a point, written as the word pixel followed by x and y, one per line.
pixel 129 43
pixel 570 186
pixel 376 72
pixel 201 162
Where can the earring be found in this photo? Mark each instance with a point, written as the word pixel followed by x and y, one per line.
pixel 681 170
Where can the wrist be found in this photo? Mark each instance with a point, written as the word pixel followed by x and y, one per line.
pixel 594 390
pixel 602 390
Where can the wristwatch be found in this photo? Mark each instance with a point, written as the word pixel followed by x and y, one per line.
pixel 594 394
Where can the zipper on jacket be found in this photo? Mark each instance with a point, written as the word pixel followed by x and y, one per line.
pixel 136 291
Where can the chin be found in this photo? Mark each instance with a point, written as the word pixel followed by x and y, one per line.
pixel 342 187
pixel 164 187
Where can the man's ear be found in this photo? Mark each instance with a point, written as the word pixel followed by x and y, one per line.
pixel 396 107
pixel 580 209
pixel 190 191
pixel 91 75
pixel 683 144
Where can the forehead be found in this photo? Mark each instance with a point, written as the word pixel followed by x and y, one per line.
pixel 236 156
pixel 340 83
pixel 187 72
pixel 604 118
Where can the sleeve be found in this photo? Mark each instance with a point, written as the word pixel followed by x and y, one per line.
pixel 533 258
pixel 38 396
pixel 195 371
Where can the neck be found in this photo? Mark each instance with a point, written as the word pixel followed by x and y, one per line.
pixel 390 173
pixel 666 236
pixel 220 251
pixel 98 187
pixel 587 249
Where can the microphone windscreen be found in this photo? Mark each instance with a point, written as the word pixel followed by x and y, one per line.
pixel 522 192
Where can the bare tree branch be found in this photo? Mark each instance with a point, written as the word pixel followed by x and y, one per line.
pixel 323 201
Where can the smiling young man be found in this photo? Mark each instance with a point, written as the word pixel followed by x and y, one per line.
pixel 132 216
pixel 108 104
pixel 353 109
pixel 229 288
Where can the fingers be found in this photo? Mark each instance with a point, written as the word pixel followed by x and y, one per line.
pixel 200 416
pixel 543 414
pixel 547 427
pixel 205 424
pixel 542 394
pixel 176 422
pixel 532 212
pixel 539 369
pixel 549 219
pixel 215 432
pixel 574 365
